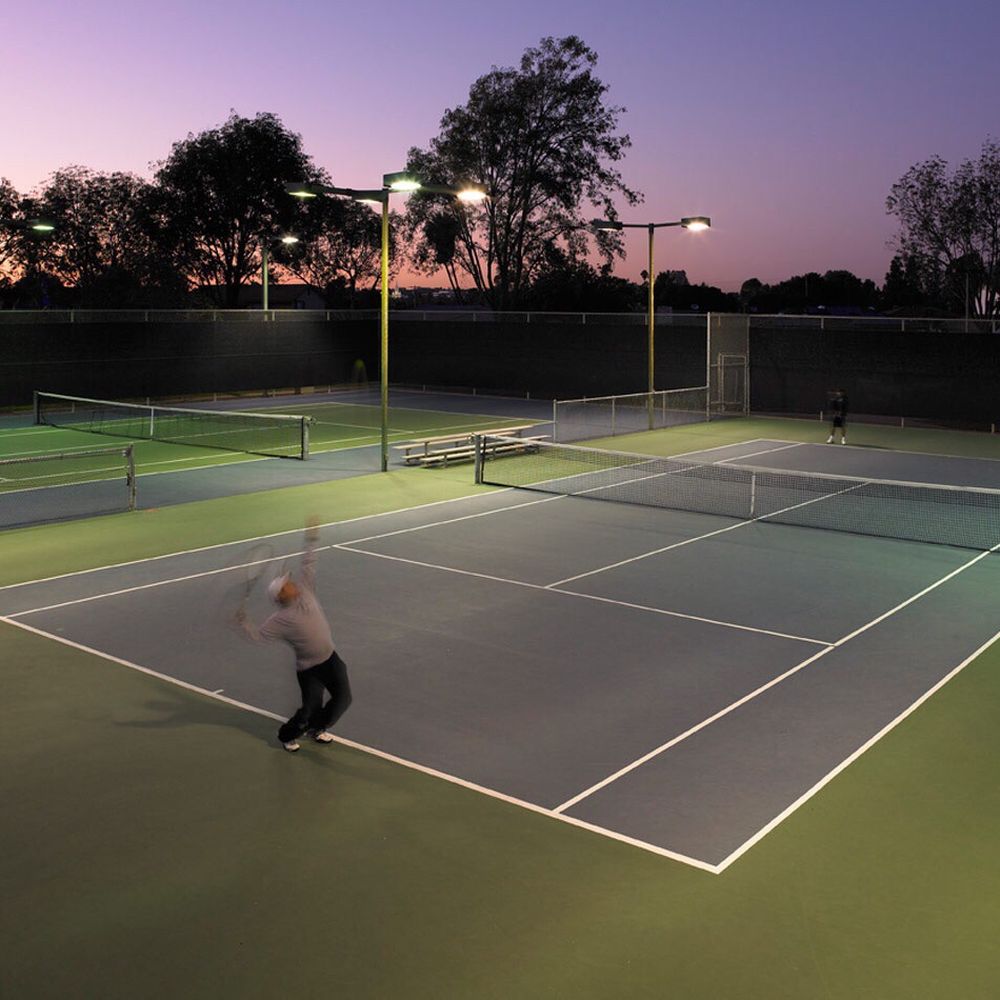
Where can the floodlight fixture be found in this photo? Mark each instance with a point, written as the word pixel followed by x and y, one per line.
pixel 471 195
pixel 299 189
pixel 41 225
pixel 401 180
pixel 697 223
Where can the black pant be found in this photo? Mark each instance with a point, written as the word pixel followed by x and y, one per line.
pixel 314 716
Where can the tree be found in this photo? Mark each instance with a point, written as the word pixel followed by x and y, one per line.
pixel 24 279
pixel 107 240
pixel 542 141
pixel 10 202
pixel 574 285
pixel 342 249
pixel 950 224
pixel 222 196
pixel 750 292
pixel 835 290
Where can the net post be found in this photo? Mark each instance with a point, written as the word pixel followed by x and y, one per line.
pixel 477 443
pixel 129 453
pixel 36 407
pixel 306 421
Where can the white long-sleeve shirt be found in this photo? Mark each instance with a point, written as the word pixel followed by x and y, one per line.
pixel 302 624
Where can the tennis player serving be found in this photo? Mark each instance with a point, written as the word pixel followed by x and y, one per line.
pixel 300 621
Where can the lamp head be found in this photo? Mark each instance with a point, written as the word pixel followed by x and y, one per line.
pixel 471 194
pixel 41 225
pixel 299 189
pixel 606 225
pixel 697 223
pixel 401 180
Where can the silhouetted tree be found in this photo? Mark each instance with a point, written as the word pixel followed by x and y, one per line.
pixel 698 298
pixel 25 278
pixel 544 143
pixel 906 286
pixel 107 241
pixel 341 250
pixel 567 284
pixel 951 224
pixel 803 293
pixel 749 293
pixel 10 203
pixel 222 194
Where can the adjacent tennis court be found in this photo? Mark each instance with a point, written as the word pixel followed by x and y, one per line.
pixel 676 679
pixel 71 462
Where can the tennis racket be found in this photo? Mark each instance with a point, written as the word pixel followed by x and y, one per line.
pixel 256 563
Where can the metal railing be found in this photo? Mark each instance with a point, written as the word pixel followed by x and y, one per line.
pixel 918 324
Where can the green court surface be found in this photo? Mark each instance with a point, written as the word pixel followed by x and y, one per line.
pixel 157 843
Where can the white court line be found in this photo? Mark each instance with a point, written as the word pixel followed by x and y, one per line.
pixel 381 754
pixel 587 792
pixel 722 713
pixel 718 447
pixel 646 555
pixel 698 538
pixel 348 547
pixel 450 520
pixel 114 482
pixel 754 454
pixel 4 434
pixel 64 451
pixel 844 764
pixel 246 541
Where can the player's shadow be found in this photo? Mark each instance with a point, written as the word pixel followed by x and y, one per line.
pixel 181 713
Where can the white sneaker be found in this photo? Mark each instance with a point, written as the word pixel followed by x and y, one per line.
pixel 829 440
pixel 843 440
pixel 291 747
pixel 322 737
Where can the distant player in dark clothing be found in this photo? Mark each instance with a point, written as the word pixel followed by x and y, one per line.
pixel 300 622
pixel 838 411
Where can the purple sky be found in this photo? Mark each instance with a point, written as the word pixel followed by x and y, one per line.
pixel 787 122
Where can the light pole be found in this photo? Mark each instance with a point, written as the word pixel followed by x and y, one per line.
pixel 36 228
pixel 265 257
pixel 401 182
pixel 695 223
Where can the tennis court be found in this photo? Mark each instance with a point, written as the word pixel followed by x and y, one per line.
pixel 678 680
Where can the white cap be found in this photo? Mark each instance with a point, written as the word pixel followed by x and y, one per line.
pixel 274 587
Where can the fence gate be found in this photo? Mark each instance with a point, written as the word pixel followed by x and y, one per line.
pixel 728 364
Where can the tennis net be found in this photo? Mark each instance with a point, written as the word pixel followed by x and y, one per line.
pixel 59 486
pixel 274 434
pixel 607 416
pixel 923 512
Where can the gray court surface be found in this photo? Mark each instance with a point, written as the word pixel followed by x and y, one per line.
pixel 634 670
